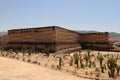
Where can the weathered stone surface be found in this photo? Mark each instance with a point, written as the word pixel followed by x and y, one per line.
pixel 55 38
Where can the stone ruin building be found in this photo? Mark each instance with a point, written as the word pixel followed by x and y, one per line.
pixel 55 38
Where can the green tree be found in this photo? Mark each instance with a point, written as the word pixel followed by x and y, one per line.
pixel 111 63
pixel 88 52
pixel 76 59
pixel 93 64
pixel 105 67
pixel 100 58
pixel 81 61
pixel 16 52
pixel 46 51
pixel 90 62
pixel 31 50
pixel 86 57
pixel 102 68
pixel 24 50
pixel 10 52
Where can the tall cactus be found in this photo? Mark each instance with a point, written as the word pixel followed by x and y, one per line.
pixel 88 52
pixel 81 61
pixel 60 62
pixel 86 57
pixel 10 52
pixel 46 51
pixel 111 63
pixel 100 58
pixel 71 61
pixel 90 62
pixel 1 48
pixel 76 58
pixel 118 69
pixel 24 50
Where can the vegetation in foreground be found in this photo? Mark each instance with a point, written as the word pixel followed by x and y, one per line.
pixel 90 64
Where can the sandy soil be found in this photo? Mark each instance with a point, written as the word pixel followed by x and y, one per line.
pixel 11 69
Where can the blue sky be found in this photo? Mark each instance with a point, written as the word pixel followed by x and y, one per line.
pixel 100 15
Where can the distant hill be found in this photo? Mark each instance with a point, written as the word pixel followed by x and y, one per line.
pixel 3 33
pixel 112 35
pixel 82 31
pixel 3 37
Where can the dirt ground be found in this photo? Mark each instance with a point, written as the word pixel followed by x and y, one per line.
pixel 11 69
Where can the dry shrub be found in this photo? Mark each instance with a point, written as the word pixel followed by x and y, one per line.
pixel 52 66
pixel 67 70
pixel 39 63
pixel 17 57
pixel 91 73
pixel 46 65
pixel 28 60
pixel 23 59
pixel 97 72
pixel 34 62
pixel 86 73
pixel 75 72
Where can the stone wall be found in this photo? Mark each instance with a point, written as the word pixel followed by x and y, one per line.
pixel 96 41
pixel 94 37
pixel 55 38
pixel 52 38
pixel 66 39
pixel 32 35
pixel 65 35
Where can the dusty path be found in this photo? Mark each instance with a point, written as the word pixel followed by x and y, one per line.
pixel 11 69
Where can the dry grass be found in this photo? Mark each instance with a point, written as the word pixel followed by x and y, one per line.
pixel 52 62
pixel 11 69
